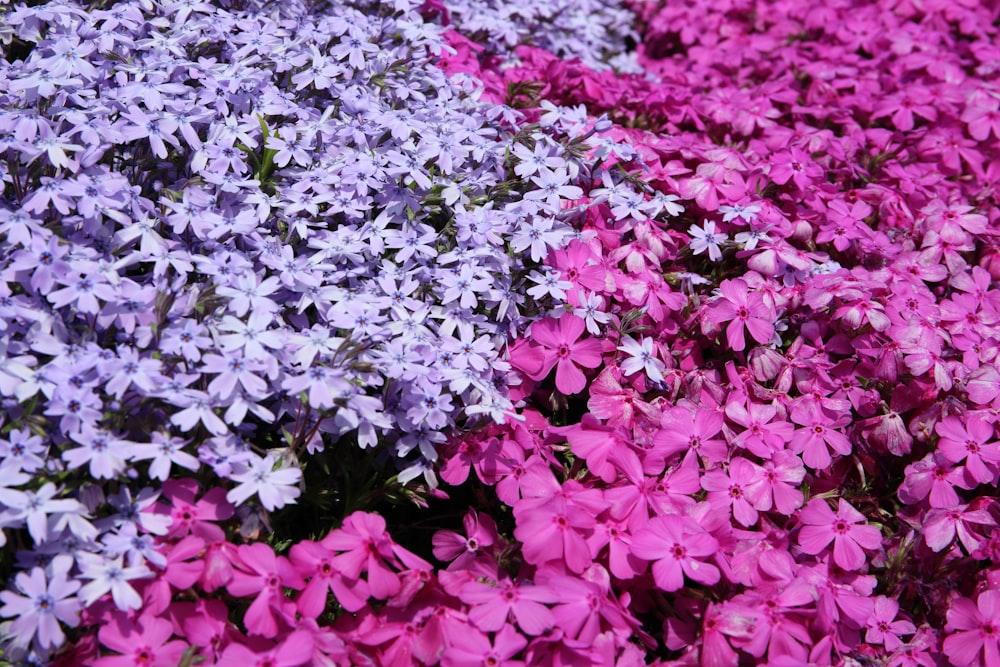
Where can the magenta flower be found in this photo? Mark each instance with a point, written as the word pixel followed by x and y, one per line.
pixel 727 490
pixel 849 538
pixel 315 561
pixel 970 439
pixel 742 309
pixel 883 628
pixel 294 650
pixel 818 435
pixel 464 551
pixel 676 546
pixel 492 605
pixel 473 649
pixel 681 431
pixel 144 642
pixel 565 351
pixel 365 546
pixel 975 638
pixel 262 575
pixel 777 485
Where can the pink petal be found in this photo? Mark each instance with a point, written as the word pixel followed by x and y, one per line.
pixel 569 379
pixel 813 539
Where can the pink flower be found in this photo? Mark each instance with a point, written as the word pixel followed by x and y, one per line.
pixel 184 568
pixel 742 309
pixel 970 439
pixel 975 628
pixel 296 649
pixel 472 648
pixel 849 538
pixel 933 477
pixel 262 574
pixel 883 628
pixel 675 545
pixel 464 551
pixel 777 485
pixel 942 525
pixel 763 435
pixel 144 642
pixel 315 561
pixel 366 547
pixel 681 431
pixel 727 489
pixel 819 435
pixel 190 515
pixel 565 351
pixel 492 605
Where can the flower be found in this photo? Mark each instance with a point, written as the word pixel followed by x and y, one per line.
pixel 741 308
pixel 564 351
pixel 274 486
pixel 849 538
pixel 44 602
pixel 706 238
pixel 144 642
pixel 974 638
pixel 676 545
pixel 642 357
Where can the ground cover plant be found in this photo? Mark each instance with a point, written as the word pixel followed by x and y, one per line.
pixel 481 333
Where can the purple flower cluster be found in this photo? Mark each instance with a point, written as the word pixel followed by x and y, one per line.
pixel 233 237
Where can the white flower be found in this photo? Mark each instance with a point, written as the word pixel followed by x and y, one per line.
pixel 274 487
pixel 706 238
pixel 42 605
pixel 747 213
pixel 591 310
pixel 641 357
pixel 108 575
pixel 749 240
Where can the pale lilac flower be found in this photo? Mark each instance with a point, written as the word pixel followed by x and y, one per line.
pixel 275 486
pixel 44 602
pixel 642 357
pixel 108 574
pixel 706 238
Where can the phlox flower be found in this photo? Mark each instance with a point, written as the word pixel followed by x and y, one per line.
pixel 676 545
pixel 975 631
pixel 932 477
pixel 262 574
pixel 970 439
pixel 681 432
pixel 565 351
pixel 275 486
pixel 294 650
pixel 107 574
pixel 819 434
pixel 849 538
pixel 941 526
pixel 642 357
pixel 493 604
pixel 363 546
pixel 44 601
pixel 463 551
pixel 472 649
pixel 777 486
pixel 742 309
pixel 883 628
pixel 728 489
pixel 315 561
pixel 143 642
pixel 706 238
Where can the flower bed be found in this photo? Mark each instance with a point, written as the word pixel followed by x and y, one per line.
pixel 380 333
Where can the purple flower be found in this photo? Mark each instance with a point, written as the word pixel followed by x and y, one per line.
pixel 46 599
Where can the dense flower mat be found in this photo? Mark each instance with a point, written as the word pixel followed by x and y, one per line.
pixel 491 333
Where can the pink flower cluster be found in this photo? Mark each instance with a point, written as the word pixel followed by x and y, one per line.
pixel 787 451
